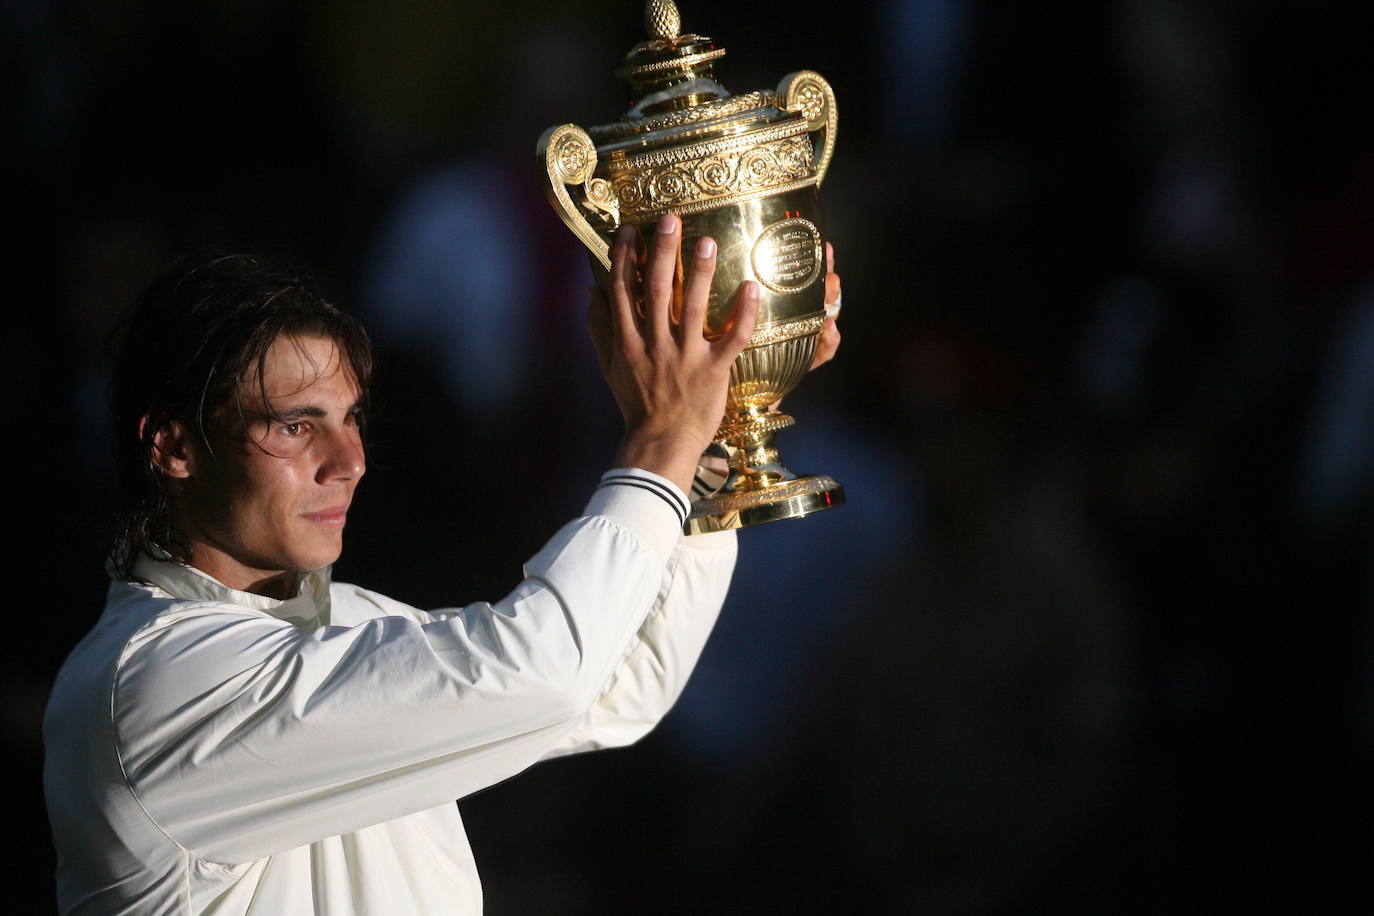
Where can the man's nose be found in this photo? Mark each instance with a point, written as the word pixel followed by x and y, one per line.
pixel 344 459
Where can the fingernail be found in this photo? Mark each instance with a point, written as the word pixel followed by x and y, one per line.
pixel 668 224
pixel 706 248
pixel 626 233
pixel 751 289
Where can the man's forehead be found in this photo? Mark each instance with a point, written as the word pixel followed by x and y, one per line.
pixel 302 367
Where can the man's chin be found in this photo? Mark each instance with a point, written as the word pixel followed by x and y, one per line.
pixel 324 553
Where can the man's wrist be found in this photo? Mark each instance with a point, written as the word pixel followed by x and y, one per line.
pixel 671 456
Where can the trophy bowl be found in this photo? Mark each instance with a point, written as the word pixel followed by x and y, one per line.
pixel 743 170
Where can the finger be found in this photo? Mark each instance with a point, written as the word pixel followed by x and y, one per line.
pixel 826 344
pixel 660 274
pixel 622 304
pixel 742 323
pixel 599 325
pixel 832 289
pixel 698 291
pixel 829 258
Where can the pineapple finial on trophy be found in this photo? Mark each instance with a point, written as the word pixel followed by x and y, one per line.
pixel 662 21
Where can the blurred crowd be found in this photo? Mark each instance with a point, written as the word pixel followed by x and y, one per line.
pixel 1095 631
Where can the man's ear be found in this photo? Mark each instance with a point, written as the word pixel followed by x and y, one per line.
pixel 173 452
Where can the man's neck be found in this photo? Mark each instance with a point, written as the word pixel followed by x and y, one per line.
pixel 278 584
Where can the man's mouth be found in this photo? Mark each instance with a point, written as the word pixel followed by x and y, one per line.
pixel 332 517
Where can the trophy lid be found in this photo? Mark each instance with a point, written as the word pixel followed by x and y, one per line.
pixel 674 90
pixel 673 69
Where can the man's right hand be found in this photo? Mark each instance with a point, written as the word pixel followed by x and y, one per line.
pixel 669 380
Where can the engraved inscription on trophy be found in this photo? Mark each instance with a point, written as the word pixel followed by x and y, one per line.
pixel 787 255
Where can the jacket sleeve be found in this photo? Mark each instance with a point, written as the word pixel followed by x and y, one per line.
pixel 242 735
pixel 652 676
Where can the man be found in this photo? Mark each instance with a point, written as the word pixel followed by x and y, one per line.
pixel 240 735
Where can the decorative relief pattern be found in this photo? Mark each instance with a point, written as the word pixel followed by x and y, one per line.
pixel 807 92
pixel 723 108
pixel 755 427
pixel 722 503
pixel 569 158
pixel 704 175
pixel 810 100
pixel 574 157
pixel 661 19
pixel 711 203
pixel 761 375
pixel 676 63
pixel 687 153
pixel 786 331
pixel 601 201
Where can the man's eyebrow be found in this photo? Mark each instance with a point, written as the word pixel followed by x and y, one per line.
pixel 311 411
pixel 300 413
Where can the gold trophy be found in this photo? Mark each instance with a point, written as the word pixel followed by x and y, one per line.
pixel 744 170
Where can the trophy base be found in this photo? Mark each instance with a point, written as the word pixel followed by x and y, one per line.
pixel 727 510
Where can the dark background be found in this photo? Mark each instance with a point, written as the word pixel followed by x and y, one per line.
pixel 1093 633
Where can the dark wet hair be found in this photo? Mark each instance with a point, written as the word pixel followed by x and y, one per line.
pixel 194 344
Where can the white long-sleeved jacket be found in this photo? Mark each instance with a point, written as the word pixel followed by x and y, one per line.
pixel 211 751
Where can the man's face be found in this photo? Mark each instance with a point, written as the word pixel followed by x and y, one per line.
pixel 274 496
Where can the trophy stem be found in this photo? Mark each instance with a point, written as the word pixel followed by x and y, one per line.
pixel 759 488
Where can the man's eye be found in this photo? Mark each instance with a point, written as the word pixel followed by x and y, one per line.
pixel 293 429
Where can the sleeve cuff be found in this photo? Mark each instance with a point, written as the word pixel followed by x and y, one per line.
pixel 649 505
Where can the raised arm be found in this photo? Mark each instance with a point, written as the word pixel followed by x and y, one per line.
pixel 652 677
pixel 655 672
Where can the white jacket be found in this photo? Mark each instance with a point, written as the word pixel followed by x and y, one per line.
pixel 211 751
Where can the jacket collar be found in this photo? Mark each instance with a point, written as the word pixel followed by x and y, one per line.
pixel 308 606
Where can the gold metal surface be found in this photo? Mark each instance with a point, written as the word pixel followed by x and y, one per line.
pixel 801 327
pixel 662 20
pixel 712 173
pixel 569 158
pixel 807 92
pixel 792 499
pixel 788 256
pixel 663 66
pixel 745 171
pixel 706 111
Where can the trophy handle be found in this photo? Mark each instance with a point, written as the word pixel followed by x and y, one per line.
pixel 569 158
pixel 808 92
